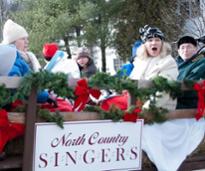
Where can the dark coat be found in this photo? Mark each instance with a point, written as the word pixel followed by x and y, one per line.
pixel 192 69
pixel 90 70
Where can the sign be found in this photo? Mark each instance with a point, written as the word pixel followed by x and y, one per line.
pixel 88 145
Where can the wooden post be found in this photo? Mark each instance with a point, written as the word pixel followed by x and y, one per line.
pixel 29 132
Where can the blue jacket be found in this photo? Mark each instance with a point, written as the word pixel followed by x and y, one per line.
pixel 136 45
pixel 20 69
pixel 125 70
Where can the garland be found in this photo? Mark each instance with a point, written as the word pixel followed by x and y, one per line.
pixel 55 117
pixel 40 80
pixel 5 95
pixel 58 82
pixel 107 82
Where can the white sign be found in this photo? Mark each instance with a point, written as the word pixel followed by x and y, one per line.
pixel 88 146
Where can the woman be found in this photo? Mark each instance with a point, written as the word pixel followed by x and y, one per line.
pixel 85 63
pixel 166 144
pixel 15 34
pixel 154 59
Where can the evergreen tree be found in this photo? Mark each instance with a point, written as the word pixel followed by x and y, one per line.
pixel 135 14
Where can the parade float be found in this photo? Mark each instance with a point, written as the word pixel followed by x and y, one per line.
pixel 20 121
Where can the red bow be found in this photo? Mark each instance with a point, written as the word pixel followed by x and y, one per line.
pixel 82 91
pixel 132 117
pixel 8 131
pixel 200 88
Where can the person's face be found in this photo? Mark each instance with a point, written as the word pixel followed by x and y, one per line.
pixel 187 50
pixel 153 46
pixel 83 61
pixel 22 44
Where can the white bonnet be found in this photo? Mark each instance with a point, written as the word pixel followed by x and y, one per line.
pixel 12 32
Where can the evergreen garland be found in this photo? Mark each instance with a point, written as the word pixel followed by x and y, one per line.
pixel 154 114
pixel 169 86
pixel 58 82
pixel 5 95
pixel 115 114
pixel 51 117
pixel 160 84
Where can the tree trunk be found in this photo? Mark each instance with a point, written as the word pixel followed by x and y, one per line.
pixel 3 14
pixel 103 48
pixel 67 46
pixel 78 29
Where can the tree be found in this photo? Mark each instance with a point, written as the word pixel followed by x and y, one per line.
pixel 104 23
pixel 49 20
pixel 3 14
pixel 99 27
pixel 135 14
pixel 193 14
pixel 86 22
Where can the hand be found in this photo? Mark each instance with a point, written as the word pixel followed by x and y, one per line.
pixel 52 99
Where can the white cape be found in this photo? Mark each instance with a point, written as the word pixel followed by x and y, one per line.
pixel 67 66
pixel 60 63
pixel 168 144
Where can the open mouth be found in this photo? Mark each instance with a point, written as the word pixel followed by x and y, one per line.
pixel 154 49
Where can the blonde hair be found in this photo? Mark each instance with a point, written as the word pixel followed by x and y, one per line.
pixel 165 50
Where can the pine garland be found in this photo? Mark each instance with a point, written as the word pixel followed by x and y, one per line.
pixel 171 87
pixel 154 114
pixel 5 95
pixel 115 114
pixel 160 84
pixel 58 83
pixel 151 115
pixel 54 117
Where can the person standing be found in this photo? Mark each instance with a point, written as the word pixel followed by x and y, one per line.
pixel 14 33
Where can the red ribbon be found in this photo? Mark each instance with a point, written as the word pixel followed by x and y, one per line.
pixel 132 117
pixel 200 88
pixel 82 91
pixel 8 130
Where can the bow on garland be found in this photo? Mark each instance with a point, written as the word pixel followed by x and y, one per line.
pixel 82 91
pixel 200 88
pixel 133 116
pixel 8 131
